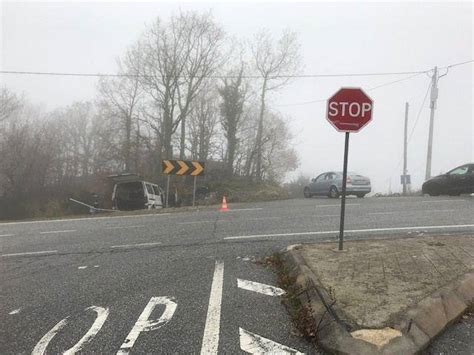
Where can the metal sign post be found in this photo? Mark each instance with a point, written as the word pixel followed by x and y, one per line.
pixel 194 190
pixel 348 110
pixel 343 198
pixel 167 190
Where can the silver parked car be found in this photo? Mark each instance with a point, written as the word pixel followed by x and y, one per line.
pixel 330 184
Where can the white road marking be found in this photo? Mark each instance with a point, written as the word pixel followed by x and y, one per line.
pixel 123 227
pixel 63 231
pixel 196 222
pixel 96 265
pixel 259 288
pixel 33 253
pixel 86 219
pixel 245 209
pixel 261 218
pixel 144 324
pixel 377 213
pixel 398 212
pixel 82 267
pixel 102 314
pixel 7 235
pixel 459 226
pixel 15 311
pixel 338 205
pixel 442 201
pixel 40 348
pixel 210 340
pixel 135 245
pixel 255 344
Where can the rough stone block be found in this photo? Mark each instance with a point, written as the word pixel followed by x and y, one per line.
pixel 418 336
pixel 431 318
pixel 466 289
pixel 453 306
pixel 400 346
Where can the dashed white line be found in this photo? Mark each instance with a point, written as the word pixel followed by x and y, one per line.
pixel 210 341
pixel 442 201
pixel 259 288
pixel 459 226
pixel 196 222
pixel 82 267
pixel 62 231
pixel 381 213
pixel 256 344
pixel 7 235
pixel 338 205
pixel 123 227
pixel 86 219
pixel 245 209
pixel 44 252
pixel 262 218
pixel 15 311
pixel 425 211
pixel 135 245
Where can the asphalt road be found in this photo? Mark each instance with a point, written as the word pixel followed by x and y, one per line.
pixel 181 282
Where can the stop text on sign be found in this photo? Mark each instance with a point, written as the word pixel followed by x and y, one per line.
pixel 353 109
pixel 349 109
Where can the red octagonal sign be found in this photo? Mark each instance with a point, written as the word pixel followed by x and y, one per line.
pixel 349 109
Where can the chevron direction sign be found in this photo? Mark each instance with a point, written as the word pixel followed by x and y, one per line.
pixel 183 167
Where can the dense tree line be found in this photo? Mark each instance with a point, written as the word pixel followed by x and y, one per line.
pixel 184 90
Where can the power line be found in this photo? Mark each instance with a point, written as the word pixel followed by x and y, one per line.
pixel 457 64
pixel 105 75
pixel 369 89
pixel 419 112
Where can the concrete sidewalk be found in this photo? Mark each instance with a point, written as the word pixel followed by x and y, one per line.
pixel 385 296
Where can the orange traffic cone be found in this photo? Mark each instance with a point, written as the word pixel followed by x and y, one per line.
pixel 224 207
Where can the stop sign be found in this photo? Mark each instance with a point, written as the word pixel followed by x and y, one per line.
pixel 349 109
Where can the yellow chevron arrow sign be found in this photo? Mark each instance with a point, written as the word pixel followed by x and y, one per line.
pixel 168 167
pixel 184 167
pixel 198 168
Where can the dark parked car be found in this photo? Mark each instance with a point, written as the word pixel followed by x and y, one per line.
pixel 458 181
pixel 330 184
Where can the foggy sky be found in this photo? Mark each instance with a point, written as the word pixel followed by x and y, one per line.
pixel 335 38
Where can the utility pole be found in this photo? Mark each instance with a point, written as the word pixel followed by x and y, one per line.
pixel 433 99
pixel 405 143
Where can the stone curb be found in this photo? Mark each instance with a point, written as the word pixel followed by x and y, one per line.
pixel 420 325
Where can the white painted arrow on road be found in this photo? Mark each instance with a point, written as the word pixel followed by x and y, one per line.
pixel 259 288
pixel 256 344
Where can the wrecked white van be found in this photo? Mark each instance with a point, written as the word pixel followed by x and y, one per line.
pixel 132 193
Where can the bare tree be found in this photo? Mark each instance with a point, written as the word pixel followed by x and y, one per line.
pixel 120 97
pixel 278 156
pixel 232 93
pixel 203 120
pixel 9 102
pixel 177 58
pixel 276 63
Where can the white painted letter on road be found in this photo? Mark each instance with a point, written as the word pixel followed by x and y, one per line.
pixel 144 324
pixel 102 314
